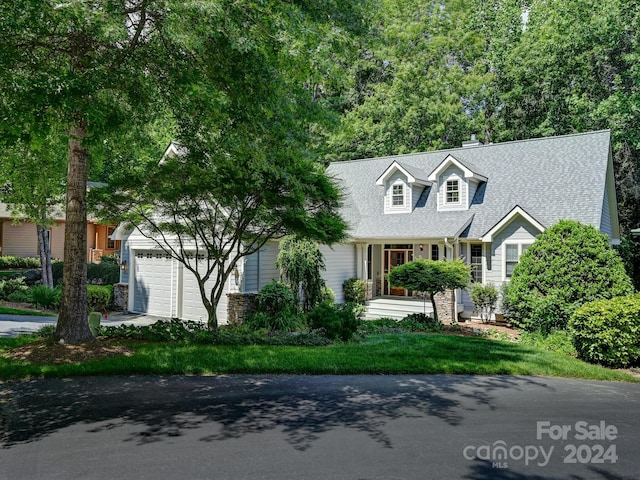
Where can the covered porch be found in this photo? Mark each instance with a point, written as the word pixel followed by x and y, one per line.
pixel 375 259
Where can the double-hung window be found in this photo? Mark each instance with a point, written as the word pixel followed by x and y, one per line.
pixel 512 253
pixel 397 195
pixel 453 191
pixel 476 263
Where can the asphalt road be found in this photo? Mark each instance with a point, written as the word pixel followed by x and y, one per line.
pixel 319 427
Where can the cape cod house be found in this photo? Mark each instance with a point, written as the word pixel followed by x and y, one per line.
pixel 483 203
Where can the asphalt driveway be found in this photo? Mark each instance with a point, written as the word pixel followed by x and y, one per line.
pixel 319 427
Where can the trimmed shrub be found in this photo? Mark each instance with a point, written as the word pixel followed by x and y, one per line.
pixel 13 286
pixel 44 297
pixel 608 331
pixel 335 321
pixel 9 262
pixel 354 290
pixel 103 273
pixel 275 298
pixel 99 297
pixel 568 265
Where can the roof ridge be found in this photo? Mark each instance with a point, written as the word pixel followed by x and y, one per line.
pixel 452 149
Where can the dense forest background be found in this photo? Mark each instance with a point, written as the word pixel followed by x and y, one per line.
pixel 427 74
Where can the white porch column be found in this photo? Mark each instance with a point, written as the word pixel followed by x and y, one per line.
pixel 361 261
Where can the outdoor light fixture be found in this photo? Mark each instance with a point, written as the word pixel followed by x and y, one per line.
pixel 124 266
pixel 421 246
pixel 236 274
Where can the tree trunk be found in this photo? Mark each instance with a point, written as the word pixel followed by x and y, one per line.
pixel 73 324
pixel 435 309
pixel 44 249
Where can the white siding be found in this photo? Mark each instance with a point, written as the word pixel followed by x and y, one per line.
pixel 340 261
pixel 453 173
pixel 19 240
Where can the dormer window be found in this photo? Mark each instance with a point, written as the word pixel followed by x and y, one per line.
pixel 457 184
pixel 453 191
pixel 398 195
pixel 403 186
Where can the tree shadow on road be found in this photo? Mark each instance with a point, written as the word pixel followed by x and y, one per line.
pixel 302 407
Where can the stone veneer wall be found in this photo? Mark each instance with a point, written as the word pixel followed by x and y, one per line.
pixel 445 305
pixel 121 296
pixel 240 305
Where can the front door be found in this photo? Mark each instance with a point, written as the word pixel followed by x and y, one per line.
pixel 394 257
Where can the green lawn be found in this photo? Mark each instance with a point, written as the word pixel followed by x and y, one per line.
pixel 19 311
pixel 379 354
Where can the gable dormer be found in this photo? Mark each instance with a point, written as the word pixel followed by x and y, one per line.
pixel 456 182
pixel 402 187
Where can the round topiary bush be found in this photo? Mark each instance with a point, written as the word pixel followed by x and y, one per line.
pixel 608 331
pixel 568 265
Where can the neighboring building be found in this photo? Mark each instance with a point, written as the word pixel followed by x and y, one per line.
pixel 19 239
pixel 483 203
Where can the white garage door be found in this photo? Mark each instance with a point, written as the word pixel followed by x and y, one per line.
pixel 154 277
pixel 192 307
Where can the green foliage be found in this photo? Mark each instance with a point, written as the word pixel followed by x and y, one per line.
pixel 328 295
pixel 354 290
pixel 431 276
pixel 335 321
pixel 284 321
pixel 301 263
pixel 629 251
pixel 104 273
pixel 559 341
pixel 568 265
pixel 57 269
pixel 608 331
pixel 485 298
pixel 415 322
pixel 9 262
pixel 45 297
pixel 185 331
pixel 99 297
pixel 12 286
pixel 276 298
pixel 111 259
pixel 419 322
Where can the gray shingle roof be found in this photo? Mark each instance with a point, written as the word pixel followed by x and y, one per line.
pixel 550 178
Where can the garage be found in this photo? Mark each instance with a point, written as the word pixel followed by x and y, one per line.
pixel 191 301
pixel 164 287
pixel 154 283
